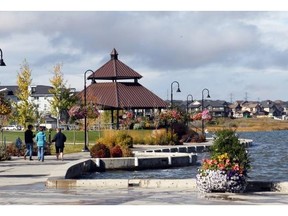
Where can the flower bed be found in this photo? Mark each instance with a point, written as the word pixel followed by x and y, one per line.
pixel 227 169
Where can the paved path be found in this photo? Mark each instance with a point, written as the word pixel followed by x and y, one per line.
pixel 23 182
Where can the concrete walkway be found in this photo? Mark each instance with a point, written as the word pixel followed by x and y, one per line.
pixel 23 182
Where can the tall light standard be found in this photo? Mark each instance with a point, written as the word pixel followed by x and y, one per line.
pixel 178 90
pixel 2 63
pixel 187 104
pixel 189 95
pixel 208 96
pixel 85 149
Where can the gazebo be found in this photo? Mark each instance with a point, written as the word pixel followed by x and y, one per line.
pixel 113 93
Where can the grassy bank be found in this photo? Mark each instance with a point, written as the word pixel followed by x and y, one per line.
pixel 249 124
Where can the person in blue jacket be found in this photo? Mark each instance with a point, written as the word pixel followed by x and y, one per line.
pixel 18 143
pixel 41 142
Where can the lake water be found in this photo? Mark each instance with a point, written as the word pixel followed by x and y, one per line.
pixel 268 155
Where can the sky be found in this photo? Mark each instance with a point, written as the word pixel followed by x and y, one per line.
pixel 236 55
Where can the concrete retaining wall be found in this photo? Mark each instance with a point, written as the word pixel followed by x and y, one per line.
pixel 182 149
pixel 142 161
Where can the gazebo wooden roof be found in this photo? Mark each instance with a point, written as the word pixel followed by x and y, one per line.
pixel 123 95
pixel 120 95
pixel 114 70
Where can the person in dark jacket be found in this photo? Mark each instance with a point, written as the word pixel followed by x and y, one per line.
pixel 28 135
pixel 59 140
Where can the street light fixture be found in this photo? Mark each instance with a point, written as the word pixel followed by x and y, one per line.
pixel 187 104
pixel 2 63
pixel 208 96
pixel 178 90
pixel 85 149
pixel 189 95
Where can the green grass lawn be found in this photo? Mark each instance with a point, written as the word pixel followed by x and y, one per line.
pixel 77 137
pixel 69 148
pixel 73 137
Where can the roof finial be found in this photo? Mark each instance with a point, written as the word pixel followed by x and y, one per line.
pixel 114 54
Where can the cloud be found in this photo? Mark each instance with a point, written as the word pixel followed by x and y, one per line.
pixel 225 51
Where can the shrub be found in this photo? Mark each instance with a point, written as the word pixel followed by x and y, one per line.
pixel 108 140
pixel 162 137
pixel 116 151
pixel 227 142
pixel 179 128
pixel 99 150
pixel 13 151
pixel 172 139
pixel 193 137
pixel 3 153
pixel 126 151
pixel 124 139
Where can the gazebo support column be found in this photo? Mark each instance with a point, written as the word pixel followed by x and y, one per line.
pixel 112 118
pixel 117 124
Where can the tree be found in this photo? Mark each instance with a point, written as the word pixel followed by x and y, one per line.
pixel 63 98
pixel 5 108
pixel 25 110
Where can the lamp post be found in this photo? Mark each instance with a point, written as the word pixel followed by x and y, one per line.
pixel 2 63
pixel 187 104
pixel 178 90
pixel 208 96
pixel 85 149
pixel 189 95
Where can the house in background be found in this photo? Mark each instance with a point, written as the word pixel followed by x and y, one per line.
pixel 9 92
pixel 250 108
pixel 217 108
pixel 40 97
pixel 272 109
pixel 236 110
pixel 246 109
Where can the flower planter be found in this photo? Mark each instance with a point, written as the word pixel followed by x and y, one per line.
pixel 220 181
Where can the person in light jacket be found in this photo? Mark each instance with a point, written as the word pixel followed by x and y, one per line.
pixel 41 142
pixel 59 140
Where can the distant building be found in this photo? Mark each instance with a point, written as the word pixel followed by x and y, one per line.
pixel 40 96
pixel 217 108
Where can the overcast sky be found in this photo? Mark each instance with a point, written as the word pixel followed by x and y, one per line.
pixel 233 54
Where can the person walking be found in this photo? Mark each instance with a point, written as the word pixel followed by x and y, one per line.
pixel 59 140
pixel 41 142
pixel 28 136
pixel 18 144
